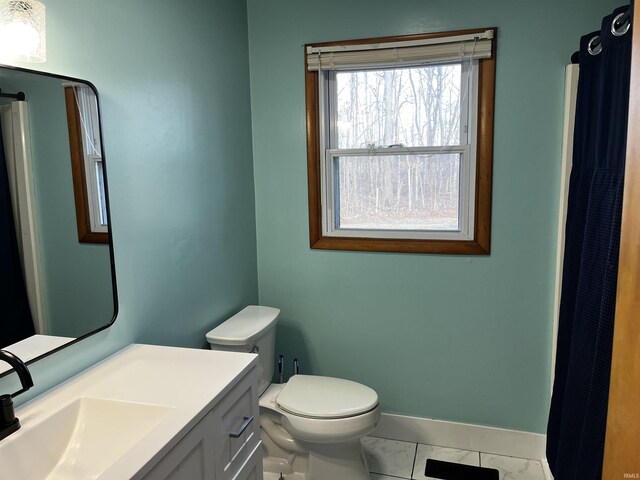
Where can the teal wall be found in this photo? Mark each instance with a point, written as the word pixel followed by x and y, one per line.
pixel 177 140
pixel 459 338
pixel 77 276
pixel 449 337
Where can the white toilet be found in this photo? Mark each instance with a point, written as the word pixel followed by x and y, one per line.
pixel 311 425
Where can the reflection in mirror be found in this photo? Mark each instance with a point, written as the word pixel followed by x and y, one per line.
pixel 86 160
pixel 57 282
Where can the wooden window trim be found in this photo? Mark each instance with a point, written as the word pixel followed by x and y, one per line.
pixel 81 196
pixel 480 245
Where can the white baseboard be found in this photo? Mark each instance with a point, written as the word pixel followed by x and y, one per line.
pixel 547 471
pixel 499 441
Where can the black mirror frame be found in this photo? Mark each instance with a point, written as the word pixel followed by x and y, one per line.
pixel 108 208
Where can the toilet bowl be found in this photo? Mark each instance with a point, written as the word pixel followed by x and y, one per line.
pixel 311 426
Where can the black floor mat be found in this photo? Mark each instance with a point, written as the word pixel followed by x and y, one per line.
pixel 458 471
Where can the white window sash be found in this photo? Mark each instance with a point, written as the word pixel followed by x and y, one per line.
pixel 329 97
pixel 395 150
pixel 467 174
pixel 88 108
pixel 466 191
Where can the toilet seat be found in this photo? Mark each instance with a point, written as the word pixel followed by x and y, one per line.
pixel 318 430
pixel 326 398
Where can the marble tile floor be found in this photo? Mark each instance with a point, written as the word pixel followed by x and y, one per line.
pixel 393 460
pixel 396 460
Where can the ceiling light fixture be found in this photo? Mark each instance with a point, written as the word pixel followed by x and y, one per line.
pixel 22 31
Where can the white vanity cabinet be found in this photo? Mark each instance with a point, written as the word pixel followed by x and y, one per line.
pixel 145 413
pixel 224 445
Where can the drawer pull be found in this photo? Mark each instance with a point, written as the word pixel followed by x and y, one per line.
pixel 243 427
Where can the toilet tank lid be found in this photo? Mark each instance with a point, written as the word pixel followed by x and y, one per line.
pixel 245 326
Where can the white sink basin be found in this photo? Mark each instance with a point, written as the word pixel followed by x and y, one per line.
pixel 79 441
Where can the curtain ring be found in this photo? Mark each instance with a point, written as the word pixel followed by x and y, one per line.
pixel 624 25
pixel 594 47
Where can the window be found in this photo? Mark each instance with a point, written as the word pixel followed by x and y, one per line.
pixel 86 163
pixel 399 141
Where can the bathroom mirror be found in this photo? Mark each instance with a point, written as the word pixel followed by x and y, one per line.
pixel 57 284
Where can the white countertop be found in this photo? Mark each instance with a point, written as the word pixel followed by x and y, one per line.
pixel 190 381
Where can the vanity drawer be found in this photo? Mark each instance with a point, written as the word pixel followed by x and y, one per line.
pixel 237 422
pixel 252 468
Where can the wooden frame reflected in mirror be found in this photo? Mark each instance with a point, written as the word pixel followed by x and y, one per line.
pixel 86 232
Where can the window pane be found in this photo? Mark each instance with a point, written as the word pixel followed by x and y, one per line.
pixel 398 192
pixel 101 193
pixel 418 106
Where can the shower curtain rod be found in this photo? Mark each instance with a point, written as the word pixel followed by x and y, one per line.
pixel 18 96
pixel 617 25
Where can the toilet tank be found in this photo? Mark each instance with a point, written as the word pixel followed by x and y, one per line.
pixel 250 330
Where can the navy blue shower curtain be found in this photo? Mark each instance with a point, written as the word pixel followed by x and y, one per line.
pixel 578 415
pixel 15 315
